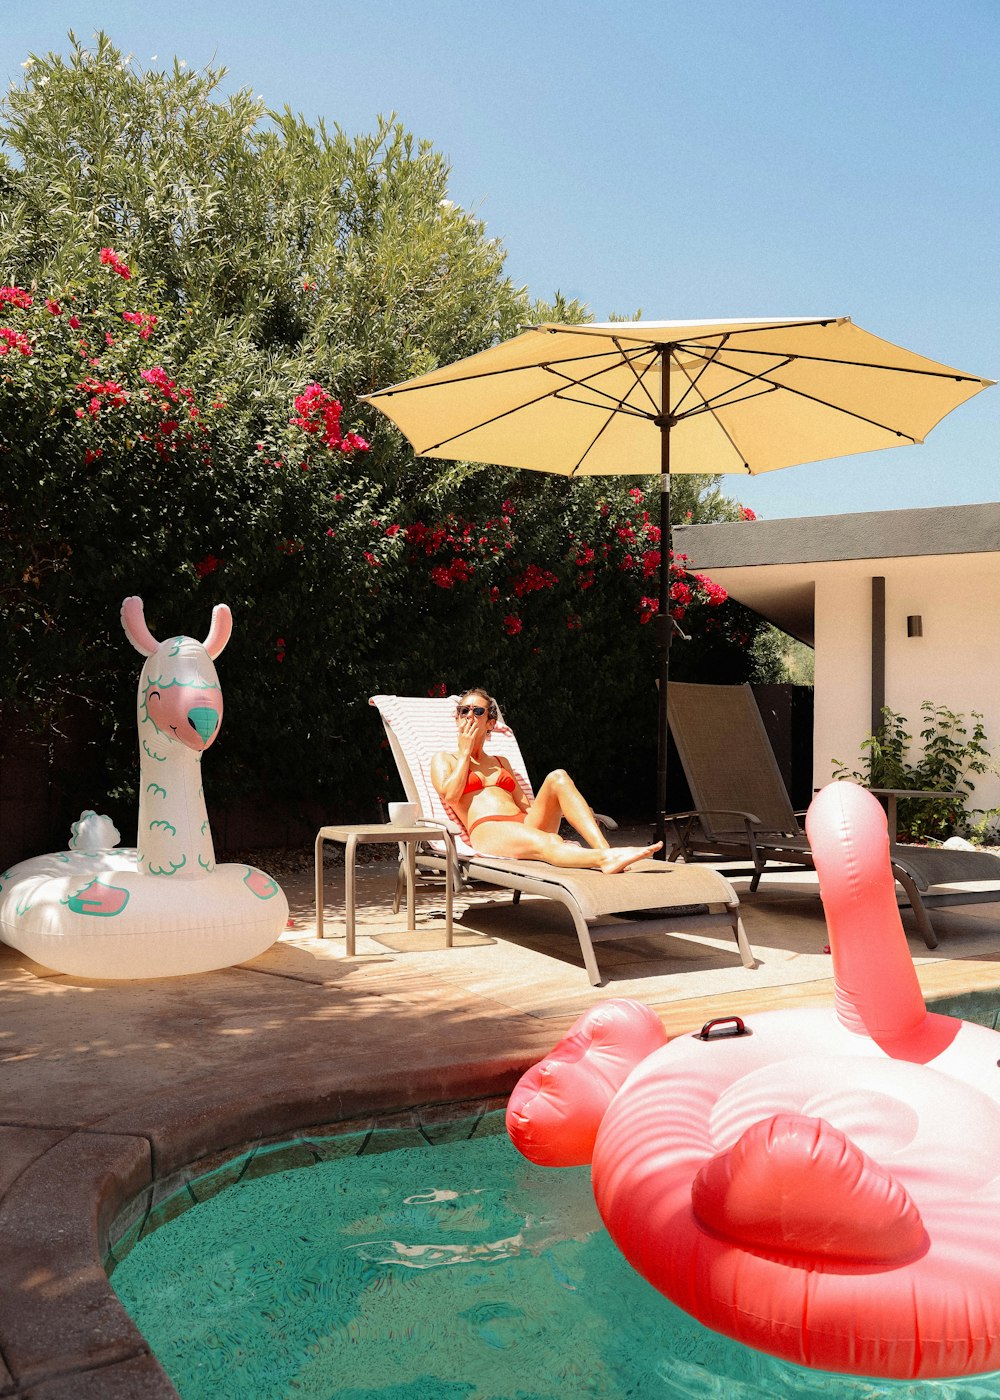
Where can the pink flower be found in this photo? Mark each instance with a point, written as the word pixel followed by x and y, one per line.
pixel 512 624
pixel 317 412
pixel 158 378
pixel 74 322
pixel 110 258
pixel 53 307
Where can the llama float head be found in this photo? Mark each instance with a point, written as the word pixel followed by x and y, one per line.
pixel 180 699
pixel 179 714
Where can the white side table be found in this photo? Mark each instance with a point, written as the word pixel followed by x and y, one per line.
pixel 380 834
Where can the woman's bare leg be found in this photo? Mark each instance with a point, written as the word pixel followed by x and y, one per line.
pixel 519 841
pixel 560 797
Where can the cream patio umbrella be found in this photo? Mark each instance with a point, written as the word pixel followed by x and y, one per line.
pixel 644 397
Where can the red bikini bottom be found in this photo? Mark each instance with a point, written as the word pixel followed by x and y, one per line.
pixel 497 817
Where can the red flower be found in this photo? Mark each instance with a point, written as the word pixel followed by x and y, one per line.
pixel 370 557
pixel 438 690
pixel 647 609
pixel 747 514
pixel 207 566
pixel 585 556
pixel 392 530
pixel 512 624
pixel 143 321
pixel 53 306
pixel 110 258
pixel 15 296
pixel 534 579
pixel 74 322
pixel 636 494
pixel 14 340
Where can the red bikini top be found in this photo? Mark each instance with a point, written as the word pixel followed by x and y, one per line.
pixel 503 780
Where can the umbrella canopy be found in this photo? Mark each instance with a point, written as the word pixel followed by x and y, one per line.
pixel 644 397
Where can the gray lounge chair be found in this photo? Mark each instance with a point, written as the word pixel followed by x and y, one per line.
pixel 692 899
pixel 742 810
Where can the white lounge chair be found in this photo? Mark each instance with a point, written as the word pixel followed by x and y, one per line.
pixel 694 899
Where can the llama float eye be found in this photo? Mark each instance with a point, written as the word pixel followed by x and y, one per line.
pixel 151 695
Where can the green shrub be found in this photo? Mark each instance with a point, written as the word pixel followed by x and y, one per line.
pixel 949 753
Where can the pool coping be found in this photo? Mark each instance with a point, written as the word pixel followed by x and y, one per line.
pixel 65 1335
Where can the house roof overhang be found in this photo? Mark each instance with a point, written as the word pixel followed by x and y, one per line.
pixel 771 565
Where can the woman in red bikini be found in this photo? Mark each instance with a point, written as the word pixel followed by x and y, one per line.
pixel 482 790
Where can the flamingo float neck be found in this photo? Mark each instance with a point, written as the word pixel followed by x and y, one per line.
pixel 877 992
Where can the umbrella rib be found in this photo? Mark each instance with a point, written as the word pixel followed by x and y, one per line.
pixel 693 383
pixel 694 349
pixel 639 378
pixel 719 423
pixel 417 385
pixel 813 398
pixel 594 440
pixel 710 405
pixel 517 408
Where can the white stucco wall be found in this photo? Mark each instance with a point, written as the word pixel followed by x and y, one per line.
pixel 955 663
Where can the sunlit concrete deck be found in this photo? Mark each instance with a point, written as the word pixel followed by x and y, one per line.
pixel 118 1093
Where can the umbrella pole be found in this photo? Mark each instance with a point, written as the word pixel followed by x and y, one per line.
pixel 664 622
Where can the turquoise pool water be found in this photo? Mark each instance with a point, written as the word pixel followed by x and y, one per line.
pixel 449 1272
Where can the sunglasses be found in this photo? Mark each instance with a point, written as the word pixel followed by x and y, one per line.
pixel 477 710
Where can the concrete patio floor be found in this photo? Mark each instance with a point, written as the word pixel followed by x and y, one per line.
pixel 114 1094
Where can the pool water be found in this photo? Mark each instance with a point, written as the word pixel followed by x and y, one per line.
pixel 449 1272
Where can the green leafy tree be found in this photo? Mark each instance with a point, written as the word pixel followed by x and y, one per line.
pixel 196 293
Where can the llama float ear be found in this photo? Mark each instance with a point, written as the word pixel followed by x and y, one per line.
pixel 220 631
pixel 134 622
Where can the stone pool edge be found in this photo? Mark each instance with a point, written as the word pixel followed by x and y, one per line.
pixel 63 1333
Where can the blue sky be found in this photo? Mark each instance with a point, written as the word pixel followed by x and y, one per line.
pixel 726 158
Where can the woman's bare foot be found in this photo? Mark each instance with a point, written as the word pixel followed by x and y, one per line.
pixel 619 858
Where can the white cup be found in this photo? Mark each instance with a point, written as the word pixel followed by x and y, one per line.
pixel 403 813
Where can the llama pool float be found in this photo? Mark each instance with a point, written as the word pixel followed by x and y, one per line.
pixel 824 1186
pixel 165 908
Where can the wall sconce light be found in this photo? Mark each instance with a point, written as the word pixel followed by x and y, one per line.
pixel 914 625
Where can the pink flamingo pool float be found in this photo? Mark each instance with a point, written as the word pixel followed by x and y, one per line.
pixel 824 1186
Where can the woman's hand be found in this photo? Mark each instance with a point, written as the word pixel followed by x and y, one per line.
pixel 467 730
